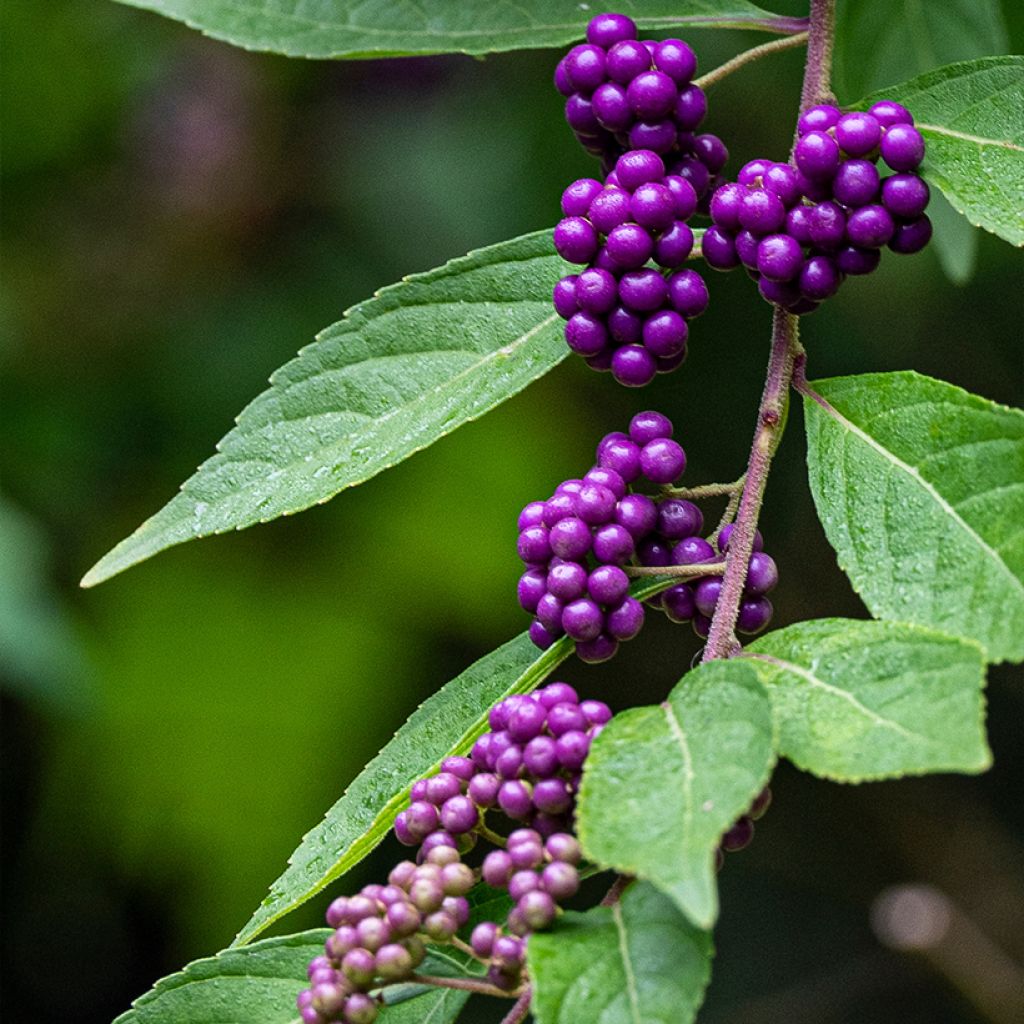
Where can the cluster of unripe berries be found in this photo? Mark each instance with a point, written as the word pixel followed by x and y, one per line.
pixel 578 544
pixel 622 314
pixel 624 93
pixel 526 772
pixel 633 103
pixel 801 230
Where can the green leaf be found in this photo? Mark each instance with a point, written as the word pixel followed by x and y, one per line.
pixel 972 118
pixel 661 784
pixel 400 371
pixel 446 723
pixel 390 28
pixel 258 985
pixel 873 700
pixel 955 240
pixel 879 42
pixel 637 962
pixel 920 488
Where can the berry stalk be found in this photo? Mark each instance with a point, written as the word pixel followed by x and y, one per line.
pixel 716 75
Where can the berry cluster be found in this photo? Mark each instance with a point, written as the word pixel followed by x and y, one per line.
pixel 801 230
pixel 623 94
pixel 624 315
pixel 526 770
pixel 575 543
pixel 677 541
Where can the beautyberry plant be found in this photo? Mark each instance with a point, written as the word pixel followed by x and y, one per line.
pixel 510 792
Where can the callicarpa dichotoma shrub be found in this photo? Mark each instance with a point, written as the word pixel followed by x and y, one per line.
pixel 508 790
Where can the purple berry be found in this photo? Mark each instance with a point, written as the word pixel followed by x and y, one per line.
pixel 662 461
pixel 691 107
pixel 705 595
pixel 567 581
pixel 659 137
pixel 596 291
pixel 540 758
pixel 608 584
pixel 783 181
pixel 624 622
pixel 739 836
pixel 514 800
pixel 782 293
pixel 613 543
pixel 902 147
pixel 678 518
pixel 630 246
pixel 889 112
pixel 643 290
pixel 870 227
pixel 575 240
pixel 856 182
pixel 459 815
pixel 605 30
pixel 637 513
pixel 798 224
pixel 572 748
pixel 912 236
pixel 819 278
pixel 627 59
pixel 858 133
pixel 442 787
pixel 851 260
pixel 674 246
pixel 652 95
pixel 620 454
pixel 726 204
pixel 827 225
pixel 779 257
pixel 755 613
pixel 817 155
pixel 601 648
pixel 676 59
pixel 564 297
pixel 762 574
pixel 625 326
pixel 648 426
pixel 582 619
pixel 595 504
pixel 665 334
pixel 818 119
pixel 719 249
pixel 533 544
pixel 611 107
pixel 549 615
pixel 688 293
pixel 532 587
pixel 692 551
pixel 723 538
pixel 639 167
pixel 678 602
pixel 569 539
pixel 747 244
pixel 576 199
pixel 762 212
pixel 905 195
pixel 541 636
pixel 609 209
pixel 526 721
pixel 585 67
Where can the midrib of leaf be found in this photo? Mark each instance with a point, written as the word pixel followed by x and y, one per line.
pixel 627 963
pixel 813 680
pixel 936 129
pixel 925 485
pixel 679 735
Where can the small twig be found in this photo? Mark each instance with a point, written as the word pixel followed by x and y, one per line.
pixel 521 1009
pixel 619 886
pixel 705 490
pixel 492 837
pixel 715 75
pixel 465 984
pixel 682 572
pixel 727 516
pixel 465 947
pixel 817 87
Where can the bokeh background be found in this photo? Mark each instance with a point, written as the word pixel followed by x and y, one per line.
pixel 180 217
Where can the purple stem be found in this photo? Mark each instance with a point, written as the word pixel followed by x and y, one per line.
pixel 722 642
pixel 522 1007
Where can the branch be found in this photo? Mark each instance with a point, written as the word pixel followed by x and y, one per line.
pixel 521 1009
pixel 715 75
pixel 722 641
pixel 465 984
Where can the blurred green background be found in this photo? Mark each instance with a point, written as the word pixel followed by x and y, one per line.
pixel 179 218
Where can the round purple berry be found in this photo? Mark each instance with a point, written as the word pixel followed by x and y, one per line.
pixel 662 460
pixel 674 246
pixel 629 245
pixel 819 278
pixel 817 155
pixel 652 95
pixel 608 584
pixel 678 603
pixel 858 133
pixel 870 227
pixel 818 119
pixel 779 257
pixel 905 195
pixel 902 147
pixel 691 107
pixel 576 240
pixel 755 613
pixel 688 293
pixel 626 59
pixel 601 648
pixel 856 182
pixel 637 513
pixel 665 333
pixel 912 236
pixel 719 249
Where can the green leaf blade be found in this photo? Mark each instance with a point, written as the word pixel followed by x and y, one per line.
pixel 399 372
pixel 638 962
pixel 971 115
pixel 856 701
pixel 258 985
pixel 388 28
pixel 661 784
pixel 920 488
